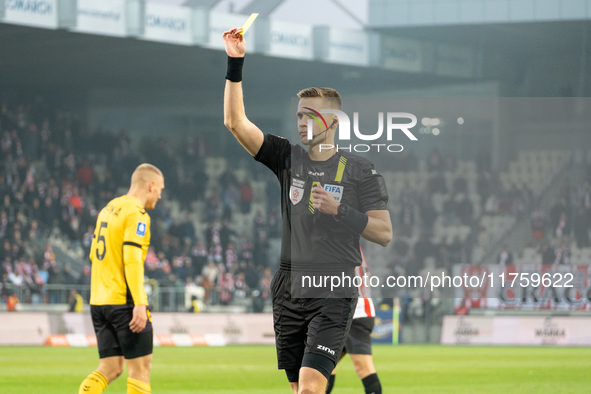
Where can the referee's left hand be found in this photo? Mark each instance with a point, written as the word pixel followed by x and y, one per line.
pixel 234 42
pixel 140 317
pixel 324 201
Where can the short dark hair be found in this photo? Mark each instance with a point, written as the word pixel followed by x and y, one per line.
pixel 328 93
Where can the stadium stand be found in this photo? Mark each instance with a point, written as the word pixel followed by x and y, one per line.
pixel 52 194
pixel 217 227
pixel 449 212
pixel 559 232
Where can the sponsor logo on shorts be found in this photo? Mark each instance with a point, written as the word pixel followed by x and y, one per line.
pixel 326 349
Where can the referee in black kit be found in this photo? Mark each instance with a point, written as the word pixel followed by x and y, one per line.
pixel 328 200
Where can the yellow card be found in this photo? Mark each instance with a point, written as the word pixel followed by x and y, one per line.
pixel 249 22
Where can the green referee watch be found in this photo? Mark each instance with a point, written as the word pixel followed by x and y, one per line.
pixel 342 210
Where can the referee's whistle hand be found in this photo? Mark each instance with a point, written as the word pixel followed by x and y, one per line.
pixel 140 317
pixel 324 201
pixel 234 42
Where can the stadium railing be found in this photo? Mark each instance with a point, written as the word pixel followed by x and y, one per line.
pixel 162 299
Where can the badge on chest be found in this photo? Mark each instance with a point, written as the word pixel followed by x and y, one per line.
pixel 335 190
pixel 296 190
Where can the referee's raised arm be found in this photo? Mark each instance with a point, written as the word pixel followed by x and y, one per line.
pixel 246 132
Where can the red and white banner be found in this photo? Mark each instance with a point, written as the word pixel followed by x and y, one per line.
pixel 236 328
pixel 516 330
pixel 239 328
pixel 170 329
pixel 71 340
pixel 80 340
pixel 526 287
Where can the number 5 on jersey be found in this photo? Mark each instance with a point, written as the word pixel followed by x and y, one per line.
pixel 101 238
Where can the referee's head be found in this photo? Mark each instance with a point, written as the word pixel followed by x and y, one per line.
pixel 147 183
pixel 312 101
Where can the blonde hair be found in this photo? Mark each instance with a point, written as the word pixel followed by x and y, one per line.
pixel 144 173
pixel 331 95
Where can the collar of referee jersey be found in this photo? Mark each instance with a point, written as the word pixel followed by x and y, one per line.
pixel 300 164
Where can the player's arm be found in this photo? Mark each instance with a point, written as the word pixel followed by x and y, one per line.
pixel 373 225
pixel 246 132
pixel 134 273
pixel 373 202
pixel 372 220
pixel 379 227
pixel 135 239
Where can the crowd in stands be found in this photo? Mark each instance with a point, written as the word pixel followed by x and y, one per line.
pixel 416 245
pixel 54 174
pixel 569 217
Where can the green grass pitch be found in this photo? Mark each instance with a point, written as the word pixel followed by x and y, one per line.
pixel 252 369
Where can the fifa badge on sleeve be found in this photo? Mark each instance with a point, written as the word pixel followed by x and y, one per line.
pixel 141 229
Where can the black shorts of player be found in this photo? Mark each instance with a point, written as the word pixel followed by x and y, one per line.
pixel 359 338
pixel 113 335
pixel 316 326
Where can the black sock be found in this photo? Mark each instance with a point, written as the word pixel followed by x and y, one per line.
pixel 330 384
pixel 372 384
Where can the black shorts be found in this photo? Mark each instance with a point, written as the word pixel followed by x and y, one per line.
pixel 113 335
pixel 308 325
pixel 359 338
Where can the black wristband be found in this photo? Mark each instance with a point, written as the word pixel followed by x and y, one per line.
pixel 356 221
pixel 234 71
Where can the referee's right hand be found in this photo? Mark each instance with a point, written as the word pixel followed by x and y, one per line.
pixel 140 317
pixel 234 42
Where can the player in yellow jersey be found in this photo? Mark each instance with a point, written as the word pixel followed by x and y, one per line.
pixel 118 302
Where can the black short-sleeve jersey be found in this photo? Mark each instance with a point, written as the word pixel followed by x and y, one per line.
pixel 311 239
